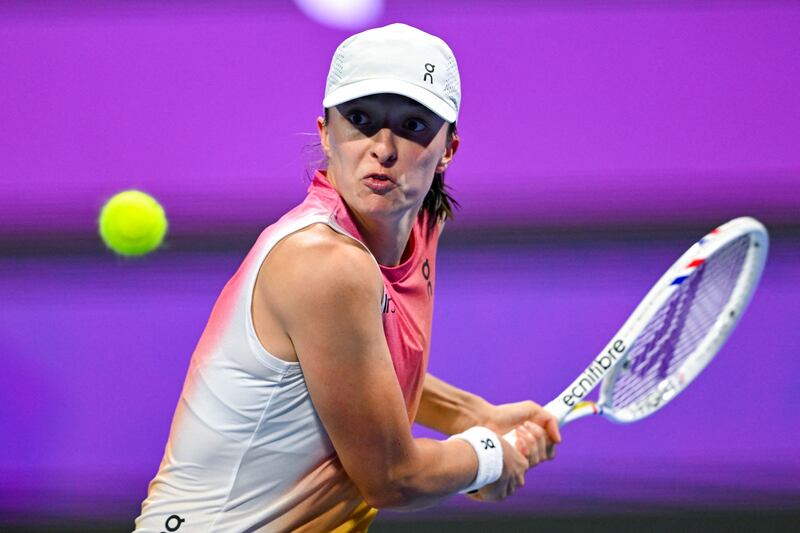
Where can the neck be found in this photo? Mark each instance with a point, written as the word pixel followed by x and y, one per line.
pixel 387 240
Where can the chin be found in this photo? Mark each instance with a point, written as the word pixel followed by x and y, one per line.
pixel 381 207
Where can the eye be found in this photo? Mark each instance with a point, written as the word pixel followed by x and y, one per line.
pixel 416 125
pixel 358 118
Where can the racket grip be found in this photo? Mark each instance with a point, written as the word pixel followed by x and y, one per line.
pixel 511 437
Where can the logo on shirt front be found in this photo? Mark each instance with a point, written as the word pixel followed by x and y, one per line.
pixel 426 273
pixel 388 304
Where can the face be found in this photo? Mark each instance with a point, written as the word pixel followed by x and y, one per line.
pixel 383 151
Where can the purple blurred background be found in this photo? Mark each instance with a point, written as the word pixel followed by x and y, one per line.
pixel 598 142
pixel 572 115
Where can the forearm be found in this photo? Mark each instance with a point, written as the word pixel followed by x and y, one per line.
pixel 449 409
pixel 434 471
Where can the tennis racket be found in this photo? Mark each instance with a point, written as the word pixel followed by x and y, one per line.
pixel 676 330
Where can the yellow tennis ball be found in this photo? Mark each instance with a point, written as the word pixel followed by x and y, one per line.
pixel 132 223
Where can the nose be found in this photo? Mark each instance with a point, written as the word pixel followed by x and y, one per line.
pixel 384 148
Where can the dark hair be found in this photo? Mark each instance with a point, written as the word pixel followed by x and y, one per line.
pixel 438 203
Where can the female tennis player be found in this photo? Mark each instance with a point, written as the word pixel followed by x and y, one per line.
pixel 296 411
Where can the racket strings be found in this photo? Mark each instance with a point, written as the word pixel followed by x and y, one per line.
pixel 678 328
pixel 689 333
pixel 663 341
pixel 650 361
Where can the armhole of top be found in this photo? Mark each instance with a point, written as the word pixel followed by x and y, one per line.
pixel 264 356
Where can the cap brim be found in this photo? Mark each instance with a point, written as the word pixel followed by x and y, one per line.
pixel 361 88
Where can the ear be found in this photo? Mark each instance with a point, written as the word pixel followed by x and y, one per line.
pixel 322 129
pixel 449 153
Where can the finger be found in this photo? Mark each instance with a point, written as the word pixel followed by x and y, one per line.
pixel 543 444
pixel 542 448
pixel 537 432
pixel 523 441
pixel 548 421
pixel 519 412
pixel 551 452
pixel 530 443
pixel 553 430
pixel 524 434
pixel 542 441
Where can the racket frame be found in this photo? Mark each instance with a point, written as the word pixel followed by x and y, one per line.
pixel 568 406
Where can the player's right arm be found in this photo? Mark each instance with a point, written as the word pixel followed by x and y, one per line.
pixel 328 294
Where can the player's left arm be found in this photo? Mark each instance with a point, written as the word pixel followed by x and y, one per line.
pixel 451 410
pixel 448 409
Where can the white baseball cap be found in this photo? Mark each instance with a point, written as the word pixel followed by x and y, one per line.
pixel 397 59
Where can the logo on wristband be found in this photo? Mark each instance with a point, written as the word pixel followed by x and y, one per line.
pixel 487 443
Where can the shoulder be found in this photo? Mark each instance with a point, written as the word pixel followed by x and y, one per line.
pixel 320 263
pixel 319 251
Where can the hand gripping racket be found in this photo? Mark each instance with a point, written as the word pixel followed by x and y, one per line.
pixel 675 331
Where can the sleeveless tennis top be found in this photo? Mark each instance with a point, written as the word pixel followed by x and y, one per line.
pixel 246 450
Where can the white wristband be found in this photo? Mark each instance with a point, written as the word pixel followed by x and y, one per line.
pixel 487 445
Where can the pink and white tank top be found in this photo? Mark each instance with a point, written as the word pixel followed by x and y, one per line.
pixel 246 450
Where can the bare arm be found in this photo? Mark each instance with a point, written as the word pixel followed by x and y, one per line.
pixel 448 409
pixel 329 291
pixel 451 410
